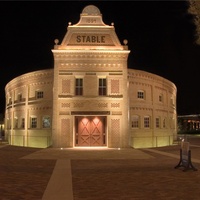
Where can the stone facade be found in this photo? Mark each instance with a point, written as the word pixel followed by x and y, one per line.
pixel 28 108
pixel 90 98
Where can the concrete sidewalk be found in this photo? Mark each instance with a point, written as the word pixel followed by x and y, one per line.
pixel 98 174
pixel 60 188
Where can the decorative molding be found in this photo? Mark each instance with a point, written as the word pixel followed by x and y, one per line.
pixel 115 105
pixel 140 83
pixel 90 113
pixel 102 105
pixel 64 113
pixel 90 73
pixel 23 79
pixel 41 108
pixel 64 96
pixel 65 105
pixel 78 104
pixel 141 108
pixel 116 112
pixel 115 96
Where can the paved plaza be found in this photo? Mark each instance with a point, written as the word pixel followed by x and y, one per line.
pixel 98 174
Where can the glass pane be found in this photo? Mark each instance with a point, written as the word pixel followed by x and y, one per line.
pixel 46 122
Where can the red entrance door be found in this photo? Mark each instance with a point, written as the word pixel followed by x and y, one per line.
pixel 90 131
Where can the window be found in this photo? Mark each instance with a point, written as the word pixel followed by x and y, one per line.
pixel 19 97
pixel 33 122
pixel 140 94
pixel 79 87
pixel 160 98
pixel 164 123
pixel 9 101
pixel 16 122
pixel 172 101
pixel 146 122
pixel 8 124
pixel 102 87
pixel 39 94
pixel 46 123
pixel 157 122
pixel 135 121
pixel 23 123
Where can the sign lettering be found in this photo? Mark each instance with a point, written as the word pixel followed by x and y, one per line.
pixel 90 39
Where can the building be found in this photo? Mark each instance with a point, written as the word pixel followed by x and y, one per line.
pixel 188 123
pixel 2 126
pixel 90 98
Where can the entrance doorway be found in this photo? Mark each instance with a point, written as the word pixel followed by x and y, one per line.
pixel 90 131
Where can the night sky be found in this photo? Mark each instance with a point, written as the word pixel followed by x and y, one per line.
pixel 161 37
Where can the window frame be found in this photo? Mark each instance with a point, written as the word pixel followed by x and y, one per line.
pixel 78 86
pixel 141 94
pixel 19 97
pixel 44 117
pixel 147 121
pixel 33 122
pixel 39 94
pixel 164 123
pixel 135 123
pixel 22 126
pixel 160 98
pixel 157 122
pixel 16 122
pixel 102 86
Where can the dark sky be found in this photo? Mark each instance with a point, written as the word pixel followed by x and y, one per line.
pixel 160 36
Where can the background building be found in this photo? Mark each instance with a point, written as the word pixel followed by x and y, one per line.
pixel 189 124
pixel 90 98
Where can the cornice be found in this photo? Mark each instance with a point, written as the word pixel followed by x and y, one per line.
pixel 91 55
pixel 133 73
pixel 28 77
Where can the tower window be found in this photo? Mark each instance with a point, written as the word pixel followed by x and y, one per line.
pixel 79 87
pixel 102 87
